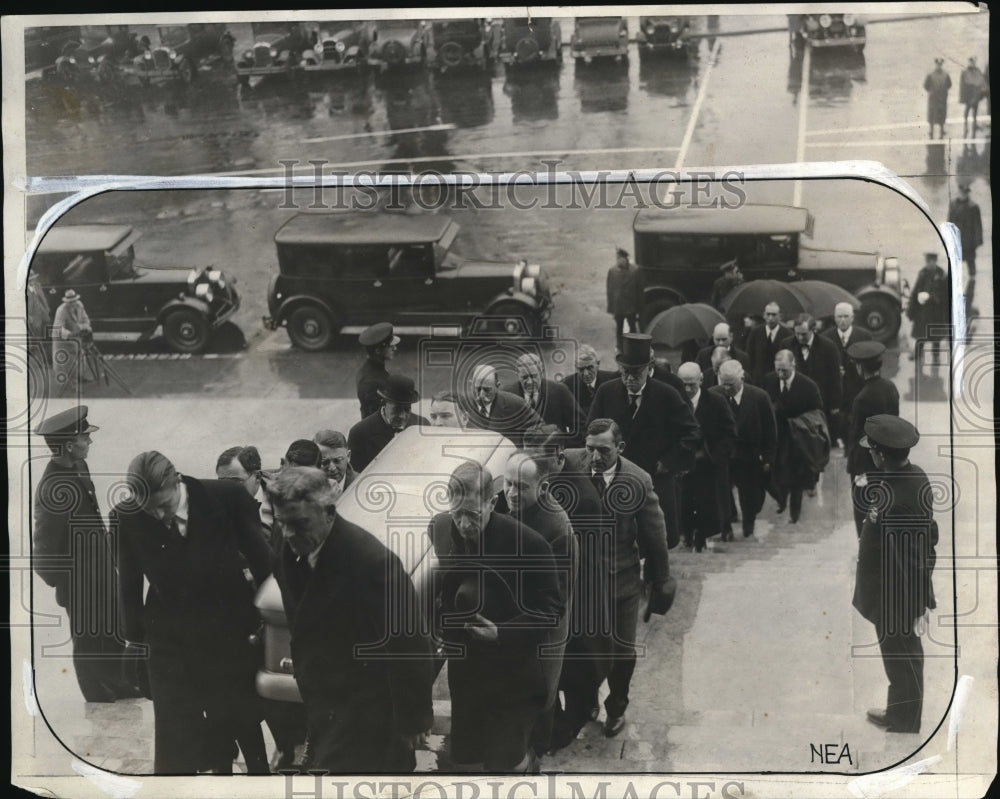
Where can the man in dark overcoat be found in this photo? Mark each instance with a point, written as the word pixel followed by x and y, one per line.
pixel 937 84
pixel 763 343
pixel 722 336
pixel 843 334
pixel 964 214
pixel 584 382
pixel 624 291
pixel 816 358
pixel 552 401
pixel 368 438
pixel 893 588
pixel 929 309
pixel 488 407
pixel 362 656
pixel 380 344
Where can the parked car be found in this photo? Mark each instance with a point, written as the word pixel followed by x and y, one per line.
pixel 455 43
pixel 357 268
pixel 398 43
pixel 526 41
pixel 393 499
pixel 98 262
pixel 277 48
pixel 666 36
pixel 43 44
pixel 821 31
pixel 599 37
pixel 679 251
pixel 340 45
pixel 96 53
pixel 182 51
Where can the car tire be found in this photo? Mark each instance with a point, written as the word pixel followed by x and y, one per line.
pixel 310 328
pixel 520 322
pixel 881 316
pixel 651 310
pixel 186 330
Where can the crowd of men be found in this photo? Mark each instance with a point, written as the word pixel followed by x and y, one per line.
pixel 543 570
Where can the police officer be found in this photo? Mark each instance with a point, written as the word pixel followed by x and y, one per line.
pixel 928 308
pixel 380 343
pixel 896 559
pixel 876 395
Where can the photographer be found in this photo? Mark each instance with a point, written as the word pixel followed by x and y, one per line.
pixel 71 333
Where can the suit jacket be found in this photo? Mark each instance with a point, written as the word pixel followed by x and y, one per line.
pixel 368 438
pixel 877 395
pixel 802 395
pixel 761 351
pixel 709 378
pixel 584 394
pixel 509 415
pixel 555 404
pixel 718 430
pixel 370 377
pixel 199 605
pixel 664 375
pixel 664 430
pixel 639 529
pixel 756 431
pixel 365 682
pixel 823 367
pixel 704 359
pixel 851 381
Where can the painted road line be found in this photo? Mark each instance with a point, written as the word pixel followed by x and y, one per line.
pixel 800 146
pixel 693 121
pixel 370 134
pixel 893 143
pixel 890 126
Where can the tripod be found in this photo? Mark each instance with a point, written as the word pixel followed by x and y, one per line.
pixel 91 359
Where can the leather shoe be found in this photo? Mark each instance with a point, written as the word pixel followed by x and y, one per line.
pixel 595 712
pixel 781 507
pixel 879 718
pixel 614 725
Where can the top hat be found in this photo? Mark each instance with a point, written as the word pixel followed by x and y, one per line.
pixel 637 350
pixel 68 423
pixel 889 431
pixel 70 296
pixel 866 350
pixel 399 389
pixel 380 333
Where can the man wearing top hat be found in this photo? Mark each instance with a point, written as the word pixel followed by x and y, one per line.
pixel 876 396
pixel 730 279
pixel 896 557
pixel 624 295
pixel 380 344
pixel 657 424
pixel 937 84
pixel 73 554
pixel 929 308
pixel 369 436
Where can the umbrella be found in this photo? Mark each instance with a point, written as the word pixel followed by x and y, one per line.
pixel 815 297
pixel 681 323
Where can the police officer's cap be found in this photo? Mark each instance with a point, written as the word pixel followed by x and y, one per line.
pixel 728 266
pixel 889 431
pixel 621 253
pixel 377 334
pixel 866 350
pixel 68 423
pixel 930 257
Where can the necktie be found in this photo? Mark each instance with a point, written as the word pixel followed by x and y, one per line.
pixel 805 353
pixel 175 530
pixel 733 405
pixel 483 412
pixel 633 404
pixel 770 336
pixel 532 397
pixel 843 339
pixel 784 386
pixel 598 480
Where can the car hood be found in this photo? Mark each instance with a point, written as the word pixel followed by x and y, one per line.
pixel 482 270
pixel 269 38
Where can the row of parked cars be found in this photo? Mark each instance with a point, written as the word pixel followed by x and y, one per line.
pixel 346 269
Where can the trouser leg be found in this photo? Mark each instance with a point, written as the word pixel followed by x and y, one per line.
pixel 622 667
pixel 903 660
pixel 795 502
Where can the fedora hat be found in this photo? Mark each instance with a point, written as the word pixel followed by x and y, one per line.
pixel 399 389
pixel 70 296
pixel 475 588
pixel 637 350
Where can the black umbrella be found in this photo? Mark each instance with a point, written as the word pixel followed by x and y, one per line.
pixel 681 323
pixel 815 297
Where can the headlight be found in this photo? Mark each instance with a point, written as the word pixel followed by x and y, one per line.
pixel 849 19
pixel 274 53
pixel 91 59
pixel 215 275
pixel 172 54
pixel 193 275
pixel 528 286
pixel 825 21
pixel 650 28
pixel 72 60
pixel 248 55
pixel 891 277
pixel 340 47
pixel 204 291
pixel 147 55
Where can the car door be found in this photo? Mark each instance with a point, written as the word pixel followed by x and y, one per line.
pixel 410 282
pixel 767 256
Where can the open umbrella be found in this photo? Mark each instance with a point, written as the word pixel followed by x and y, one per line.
pixel 815 297
pixel 674 326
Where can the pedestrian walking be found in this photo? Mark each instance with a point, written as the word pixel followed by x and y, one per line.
pixel 496 613
pixel 722 336
pixel 624 295
pixel 972 88
pixel 894 588
pixel 876 396
pixel 368 437
pixel 551 400
pixel 937 84
pixel 817 358
pixel 380 344
pixel 843 335
pixel 764 342
pixel 191 540
pixel 363 662
pixel 964 214
pixel 583 383
pixel 71 333
pixel 929 310
pixel 335 460
pixel 73 554
pixel 488 407
pixel 756 445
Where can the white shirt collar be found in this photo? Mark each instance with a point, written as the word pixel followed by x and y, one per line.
pixel 788 381
pixel 846 334
pixel 695 398
pixel 738 396
pixel 181 514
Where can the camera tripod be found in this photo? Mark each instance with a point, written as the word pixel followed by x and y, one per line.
pixel 91 359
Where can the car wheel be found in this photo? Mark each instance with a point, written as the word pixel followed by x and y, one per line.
pixel 881 316
pixel 310 328
pixel 513 320
pixel 186 330
pixel 651 310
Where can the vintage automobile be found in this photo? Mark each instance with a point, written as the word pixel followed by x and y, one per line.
pixel 394 499
pixel 43 44
pixel 98 262
pixel 525 41
pixel 455 43
pixel 599 37
pixel 397 43
pixel 357 268
pixel 277 48
pixel 182 51
pixel 666 36
pixel 679 251
pixel 96 53
pixel 821 31
pixel 340 45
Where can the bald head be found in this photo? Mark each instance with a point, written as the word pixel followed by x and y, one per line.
pixel 731 377
pixel 691 377
pixel 721 335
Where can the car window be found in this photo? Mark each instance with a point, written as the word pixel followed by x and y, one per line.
pixel 411 260
pixel 685 252
pixel 358 262
pixel 83 269
pixel 122 267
